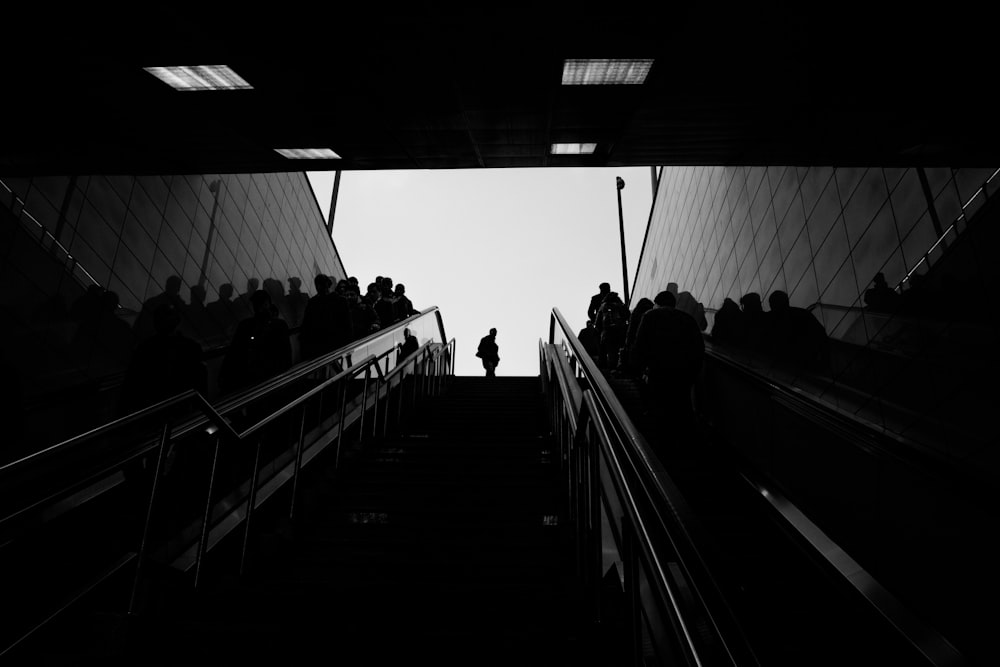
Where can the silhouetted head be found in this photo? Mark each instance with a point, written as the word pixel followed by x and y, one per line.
pixel 400 290
pixel 751 302
pixel 604 287
pixel 672 288
pixel 226 291
pixel 322 283
pixel 373 290
pixel 353 281
pixel 729 305
pixel 590 324
pixel 173 285
pixel 778 300
pixel 493 332
pixel 387 283
pixel 252 284
pixel 275 288
pixel 260 301
pixel 294 285
pixel 665 299
pixel 880 280
pixel 643 305
pixel 612 297
pixel 166 318
pixel 406 333
pixel 197 294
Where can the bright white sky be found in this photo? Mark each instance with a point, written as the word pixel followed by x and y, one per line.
pixel 491 247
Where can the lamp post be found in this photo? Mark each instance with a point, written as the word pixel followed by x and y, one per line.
pixel 621 225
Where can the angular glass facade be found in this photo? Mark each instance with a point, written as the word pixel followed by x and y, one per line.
pixel 821 234
pixel 125 238
pixel 132 233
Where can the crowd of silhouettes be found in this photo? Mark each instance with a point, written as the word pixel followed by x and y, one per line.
pixel 255 326
pixel 661 343
pixel 783 333
pixel 611 330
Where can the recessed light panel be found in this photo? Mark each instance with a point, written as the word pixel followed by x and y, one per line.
pixel 573 149
pixel 308 153
pixel 200 77
pixel 604 72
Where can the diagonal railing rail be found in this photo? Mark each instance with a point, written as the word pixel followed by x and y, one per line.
pixel 41 489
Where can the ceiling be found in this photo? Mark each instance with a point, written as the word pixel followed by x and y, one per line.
pixel 426 88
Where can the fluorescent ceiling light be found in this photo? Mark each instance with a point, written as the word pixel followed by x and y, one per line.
pixel 573 149
pixel 200 77
pixel 604 71
pixel 308 153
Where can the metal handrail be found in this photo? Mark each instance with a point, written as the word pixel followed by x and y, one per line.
pixel 229 404
pixel 936 648
pixel 435 357
pixel 644 483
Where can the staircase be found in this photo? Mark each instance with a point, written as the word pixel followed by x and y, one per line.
pixel 443 545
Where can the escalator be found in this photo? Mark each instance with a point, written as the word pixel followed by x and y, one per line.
pixel 93 529
pixel 782 580
pixel 378 509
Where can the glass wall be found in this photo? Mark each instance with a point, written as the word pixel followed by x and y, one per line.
pixel 821 235
pixel 202 241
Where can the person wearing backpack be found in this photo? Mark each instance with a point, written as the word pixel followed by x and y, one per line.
pixel 613 325
pixel 489 352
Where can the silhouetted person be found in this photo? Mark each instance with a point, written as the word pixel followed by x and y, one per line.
pixel 164 365
pixel 372 295
pixel 316 334
pixel 669 349
pixel 612 323
pixel 729 327
pixel 755 321
pixel 384 307
pixel 881 297
pixel 402 306
pixel 489 352
pixel 686 303
pixel 143 326
pixel 408 346
pixel 196 322
pixel 628 364
pixel 591 341
pixel 276 290
pixel 796 335
pixel 326 324
pixel 221 314
pixel 260 348
pixel 595 303
pixel 364 321
pixel 242 308
pixel 295 302
pixel 105 338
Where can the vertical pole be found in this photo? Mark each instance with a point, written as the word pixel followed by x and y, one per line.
pixel 340 421
pixel 333 203
pixel 298 463
pixel 214 188
pixel 621 225
pixel 364 405
pixel 251 501
pixel 205 520
pixel 160 453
